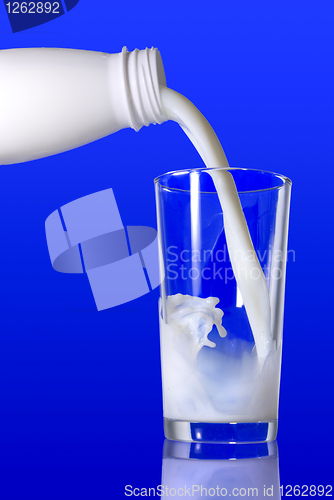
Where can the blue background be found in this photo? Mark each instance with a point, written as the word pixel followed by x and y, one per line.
pixel 80 395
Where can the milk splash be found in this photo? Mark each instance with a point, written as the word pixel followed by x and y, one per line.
pixel 195 318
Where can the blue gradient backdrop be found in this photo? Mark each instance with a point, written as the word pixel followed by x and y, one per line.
pixel 80 395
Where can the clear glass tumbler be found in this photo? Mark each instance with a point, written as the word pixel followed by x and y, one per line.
pixel 219 382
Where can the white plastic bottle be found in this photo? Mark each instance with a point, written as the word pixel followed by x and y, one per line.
pixel 53 100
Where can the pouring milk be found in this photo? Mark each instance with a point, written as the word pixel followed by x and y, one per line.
pixel 58 99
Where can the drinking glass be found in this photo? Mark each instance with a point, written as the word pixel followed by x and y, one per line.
pixel 219 383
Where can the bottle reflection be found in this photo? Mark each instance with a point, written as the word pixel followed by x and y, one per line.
pixel 204 470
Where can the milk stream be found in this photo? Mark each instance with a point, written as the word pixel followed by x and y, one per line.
pixel 201 382
pixel 248 272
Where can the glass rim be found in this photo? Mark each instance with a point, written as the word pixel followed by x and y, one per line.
pixel 283 178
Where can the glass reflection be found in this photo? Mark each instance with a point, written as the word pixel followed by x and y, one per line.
pixel 205 470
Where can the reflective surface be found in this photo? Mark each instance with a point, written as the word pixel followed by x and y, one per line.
pixel 201 470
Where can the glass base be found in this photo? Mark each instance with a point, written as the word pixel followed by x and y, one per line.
pixel 214 432
pixel 219 451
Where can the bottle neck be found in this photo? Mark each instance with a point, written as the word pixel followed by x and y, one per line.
pixel 143 74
